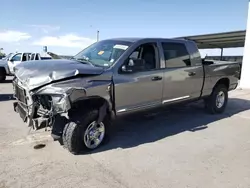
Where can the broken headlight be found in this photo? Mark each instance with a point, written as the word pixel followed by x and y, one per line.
pixel 56 103
pixel 60 103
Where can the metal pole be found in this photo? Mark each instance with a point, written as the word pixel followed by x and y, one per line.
pixel 97 35
pixel 221 54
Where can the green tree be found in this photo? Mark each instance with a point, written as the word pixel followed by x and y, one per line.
pixel 1 53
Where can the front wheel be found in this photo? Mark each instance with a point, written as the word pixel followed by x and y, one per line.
pixel 217 101
pixel 86 133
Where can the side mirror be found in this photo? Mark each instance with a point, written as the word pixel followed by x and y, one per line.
pixel 11 60
pixel 133 65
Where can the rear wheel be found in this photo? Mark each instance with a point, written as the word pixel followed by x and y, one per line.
pixel 85 134
pixel 2 74
pixel 217 101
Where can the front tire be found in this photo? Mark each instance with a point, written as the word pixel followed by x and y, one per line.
pixel 84 134
pixel 217 101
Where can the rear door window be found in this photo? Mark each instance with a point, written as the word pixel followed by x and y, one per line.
pixel 37 57
pixel 176 55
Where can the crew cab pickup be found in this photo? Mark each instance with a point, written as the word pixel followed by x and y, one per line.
pixel 80 97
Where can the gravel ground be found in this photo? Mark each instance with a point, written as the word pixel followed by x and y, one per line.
pixel 182 147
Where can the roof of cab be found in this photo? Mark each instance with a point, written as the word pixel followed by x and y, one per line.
pixel 136 39
pixel 216 40
pixel 131 39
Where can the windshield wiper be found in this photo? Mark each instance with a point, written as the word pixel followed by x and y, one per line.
pixel 83 60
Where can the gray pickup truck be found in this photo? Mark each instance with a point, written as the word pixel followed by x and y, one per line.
pixel 80 97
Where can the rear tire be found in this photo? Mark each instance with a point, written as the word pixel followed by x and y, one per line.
pixel 217 101
pixel 2 75
pixel 74 131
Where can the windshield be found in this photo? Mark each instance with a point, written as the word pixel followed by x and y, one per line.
pixel 7 57
pixel 103 53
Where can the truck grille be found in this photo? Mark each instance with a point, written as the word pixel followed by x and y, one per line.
pixel 20 94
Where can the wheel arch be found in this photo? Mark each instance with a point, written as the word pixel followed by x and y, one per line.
pixel 89 103
pixel 222 81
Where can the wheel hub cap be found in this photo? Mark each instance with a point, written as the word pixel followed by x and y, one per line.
pixel 94 135
pixel 220 99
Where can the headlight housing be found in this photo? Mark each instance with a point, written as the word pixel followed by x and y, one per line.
pixel 57 103
pixel 60 103
pixel 58 99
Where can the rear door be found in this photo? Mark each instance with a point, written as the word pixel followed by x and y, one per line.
pixel 14 60
pixel 183 75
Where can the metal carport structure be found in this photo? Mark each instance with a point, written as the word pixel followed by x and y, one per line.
pixel 229 40
pixel 219 40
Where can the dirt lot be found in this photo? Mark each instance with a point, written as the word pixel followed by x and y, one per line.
pixel 182 147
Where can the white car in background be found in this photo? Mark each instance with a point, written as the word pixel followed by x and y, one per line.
pixel 17 59
pixel 9 62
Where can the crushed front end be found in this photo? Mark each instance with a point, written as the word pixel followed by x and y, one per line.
pixel 40 109
pixel 23 105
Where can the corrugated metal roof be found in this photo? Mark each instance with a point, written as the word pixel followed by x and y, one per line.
pixel 219 40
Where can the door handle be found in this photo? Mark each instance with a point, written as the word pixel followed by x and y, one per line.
pixel 155 78
pixel 191 73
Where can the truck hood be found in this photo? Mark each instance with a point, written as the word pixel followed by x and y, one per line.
pixel 33 74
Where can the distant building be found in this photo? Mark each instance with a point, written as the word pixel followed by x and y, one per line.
pixel 45 49
pixel 44 54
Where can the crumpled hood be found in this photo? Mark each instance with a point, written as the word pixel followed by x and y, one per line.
pixel 33 74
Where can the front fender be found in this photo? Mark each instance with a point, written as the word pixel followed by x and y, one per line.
pixel 75 90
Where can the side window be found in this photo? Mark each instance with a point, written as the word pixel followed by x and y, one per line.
pixel 25 57
pixel 176 55
pixel 17 57
pixel 36 58
pixel 148 53
pixel 136 53
pixel 32 57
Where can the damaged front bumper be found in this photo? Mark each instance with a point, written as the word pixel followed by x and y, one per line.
pixel 36 123
pixel 39 111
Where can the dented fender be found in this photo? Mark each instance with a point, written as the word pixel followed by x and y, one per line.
pixel 65 93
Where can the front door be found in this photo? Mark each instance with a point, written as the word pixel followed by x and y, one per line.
pixel 141 89
pixel 15 60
